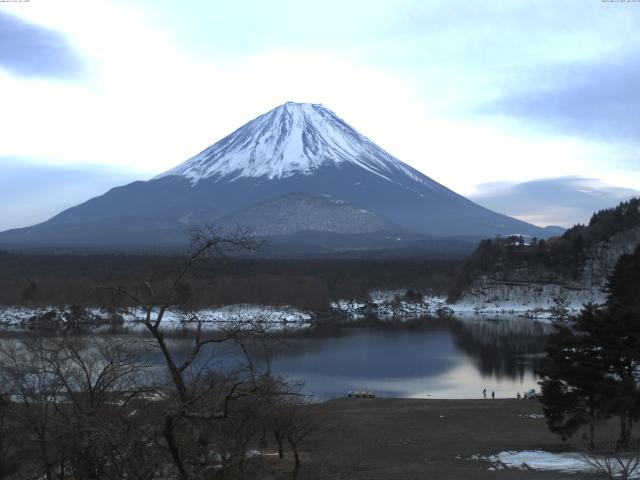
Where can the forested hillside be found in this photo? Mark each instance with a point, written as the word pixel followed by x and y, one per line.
pixel 557 259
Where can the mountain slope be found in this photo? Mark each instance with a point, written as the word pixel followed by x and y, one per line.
pixel 293 148
pixel 297 212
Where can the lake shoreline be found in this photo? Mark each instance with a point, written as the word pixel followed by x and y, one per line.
pixel 272 317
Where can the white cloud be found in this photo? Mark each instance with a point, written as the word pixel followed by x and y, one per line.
pixel 562 201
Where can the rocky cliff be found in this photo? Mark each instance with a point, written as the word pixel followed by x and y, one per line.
pixel 539 291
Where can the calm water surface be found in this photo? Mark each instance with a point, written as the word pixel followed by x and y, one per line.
pixel 431 358
pixel 420 358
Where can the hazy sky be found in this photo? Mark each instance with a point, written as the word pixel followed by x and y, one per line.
pixel 470 93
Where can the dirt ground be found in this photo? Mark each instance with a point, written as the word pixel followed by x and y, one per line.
pixel 424 439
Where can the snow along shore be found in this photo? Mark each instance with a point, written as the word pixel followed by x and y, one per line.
pixel 386 304
pixel 395 303
pixel 223 318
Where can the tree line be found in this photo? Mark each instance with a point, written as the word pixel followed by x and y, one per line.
pixel 43 280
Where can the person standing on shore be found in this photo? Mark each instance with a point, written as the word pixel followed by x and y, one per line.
pixel 484 392
pixel 493 395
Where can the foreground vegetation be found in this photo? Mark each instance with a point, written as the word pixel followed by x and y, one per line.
pixel 82 408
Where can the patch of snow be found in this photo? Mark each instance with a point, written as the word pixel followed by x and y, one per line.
pixel 533 416
pixel 566 462
pixel 16 315
pixel 541 460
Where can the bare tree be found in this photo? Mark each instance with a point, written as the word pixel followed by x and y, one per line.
pixel 8 460
pixel 304 420
pixel 77 401
pixel 289 416
pixel 200 398
pixel 34 393
pixel 101 379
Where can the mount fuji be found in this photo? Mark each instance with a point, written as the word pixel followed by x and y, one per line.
pixel 297 170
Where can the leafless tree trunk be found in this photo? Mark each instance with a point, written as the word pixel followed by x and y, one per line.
pixel 199 399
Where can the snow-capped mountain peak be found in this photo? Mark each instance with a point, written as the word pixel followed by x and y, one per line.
pixel 294 138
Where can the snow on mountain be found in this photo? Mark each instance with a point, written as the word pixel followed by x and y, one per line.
pixel 294 138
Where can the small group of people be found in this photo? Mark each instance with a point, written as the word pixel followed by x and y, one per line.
pixel 493 393
pixel 527 394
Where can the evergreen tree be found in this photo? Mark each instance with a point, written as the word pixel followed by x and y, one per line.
pixel 619 338
pixel 593 361
pixel 623 289
pixel 573 382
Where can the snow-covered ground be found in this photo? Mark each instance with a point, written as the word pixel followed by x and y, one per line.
pixel 393 303
pixel 386 304
pixel 230 316
pixel 568 462
pixel 234 316
pixel 14 316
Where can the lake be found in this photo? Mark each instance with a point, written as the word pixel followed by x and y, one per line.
pixel 427 358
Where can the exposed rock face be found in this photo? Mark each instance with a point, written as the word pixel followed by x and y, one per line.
pixel 528 290
pixel 489 294
pixel 603 257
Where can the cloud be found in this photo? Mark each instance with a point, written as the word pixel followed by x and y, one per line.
pixel 27 49
pixel 594 100
pixel 31 192
pixel 562 201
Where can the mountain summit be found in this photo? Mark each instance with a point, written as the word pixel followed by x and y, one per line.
pixel 298 171
pixel 294 138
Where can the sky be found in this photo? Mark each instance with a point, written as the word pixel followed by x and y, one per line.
pixel 499 101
